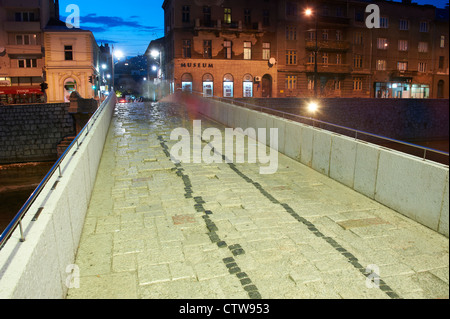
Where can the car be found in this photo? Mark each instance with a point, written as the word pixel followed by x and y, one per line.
pixel 122 100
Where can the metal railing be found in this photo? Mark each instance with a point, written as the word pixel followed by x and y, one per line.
pixel 77 142
pixel 356 134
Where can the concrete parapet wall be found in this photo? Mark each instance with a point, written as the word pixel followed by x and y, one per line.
pixel 415 188
pixel 403 119
pixel 41 266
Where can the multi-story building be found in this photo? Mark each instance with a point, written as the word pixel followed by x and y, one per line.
pixel 223 48
pixel 280 49
pixel 72 62
pixel 21 48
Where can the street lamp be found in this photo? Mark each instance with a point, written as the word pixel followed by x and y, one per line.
pixel 118 54
pixel 309 12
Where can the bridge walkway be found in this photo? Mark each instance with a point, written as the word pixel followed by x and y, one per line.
pixel 160 230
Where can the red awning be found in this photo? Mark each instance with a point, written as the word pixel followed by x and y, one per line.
pixel 20 90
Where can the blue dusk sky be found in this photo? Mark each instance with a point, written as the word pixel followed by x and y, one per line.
pixel 131 24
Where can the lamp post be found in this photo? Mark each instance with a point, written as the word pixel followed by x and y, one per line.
pixel 309 12
pixel 119 55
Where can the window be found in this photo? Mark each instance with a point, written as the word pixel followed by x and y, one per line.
pixel 423 47
pixel 186 48
pixel 68 53
pixel 186 14
pixel 403 45
pixel 358 38
pixel 442 42
pixel 357 61
pixel 266 51
pixel 403 24
pixel 227 49
pixel 24 16
pixel 291 9
pixel 207 53
pixel 248 85
pixel 228 85
pixel 207 16
pixel 337 85
pixel 339 12
pixel 227 15
pixel 27 63
pixel 311 35
pixel 325 58
pixel 311 58
pixel 338 58
pixel 339 36
pixel 247 50
pixel 359 15
pixel 357 84
pixel 208 85
pixel 382 43
pixel 423 26
pixel 325 35
pixel 441 62
pixel 186 82
pixel 291 33
pixel 384 22
pixel 402 66
pixel 422 67
pixel 266 18
pixel 247 16
pixel 381 65
pixel 291 57
pixel 26 39
pixel 310 83
pixel 291 82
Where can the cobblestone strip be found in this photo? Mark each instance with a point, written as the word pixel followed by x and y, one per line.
pixel 235 249
pixel 349 256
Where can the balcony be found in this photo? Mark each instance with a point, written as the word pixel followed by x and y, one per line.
pixel 13 26
pixel 328 45
pixel 330 20
pixel 218 25
pixel 328 68
pixel 24 49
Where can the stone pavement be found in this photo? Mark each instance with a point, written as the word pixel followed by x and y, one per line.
pixel 159 230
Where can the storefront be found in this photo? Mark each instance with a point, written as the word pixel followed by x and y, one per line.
pixel 21 95
pixel 223 78
pixel 401 90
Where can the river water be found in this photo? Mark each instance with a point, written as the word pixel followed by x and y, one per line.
pixel 17 183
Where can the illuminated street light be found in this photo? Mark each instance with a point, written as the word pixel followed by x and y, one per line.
pixel 308 12
pixel 154 68
pixel 104 67
pixel 313 107
pixel 154 54
pixel 118 54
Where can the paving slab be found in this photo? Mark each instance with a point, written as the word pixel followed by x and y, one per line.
pixel 165 230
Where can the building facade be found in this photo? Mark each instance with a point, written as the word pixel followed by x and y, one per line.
pixel 21 48
pixel 254 48
pixel 72 63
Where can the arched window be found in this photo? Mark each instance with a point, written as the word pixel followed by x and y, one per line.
pixel 186 82
pixel 248 85
pixel 208 85
pixel 228 83
pixel 70 85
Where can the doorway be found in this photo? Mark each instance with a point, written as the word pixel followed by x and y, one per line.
pixel 267 86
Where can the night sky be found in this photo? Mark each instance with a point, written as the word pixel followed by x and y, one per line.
pixel 131 24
